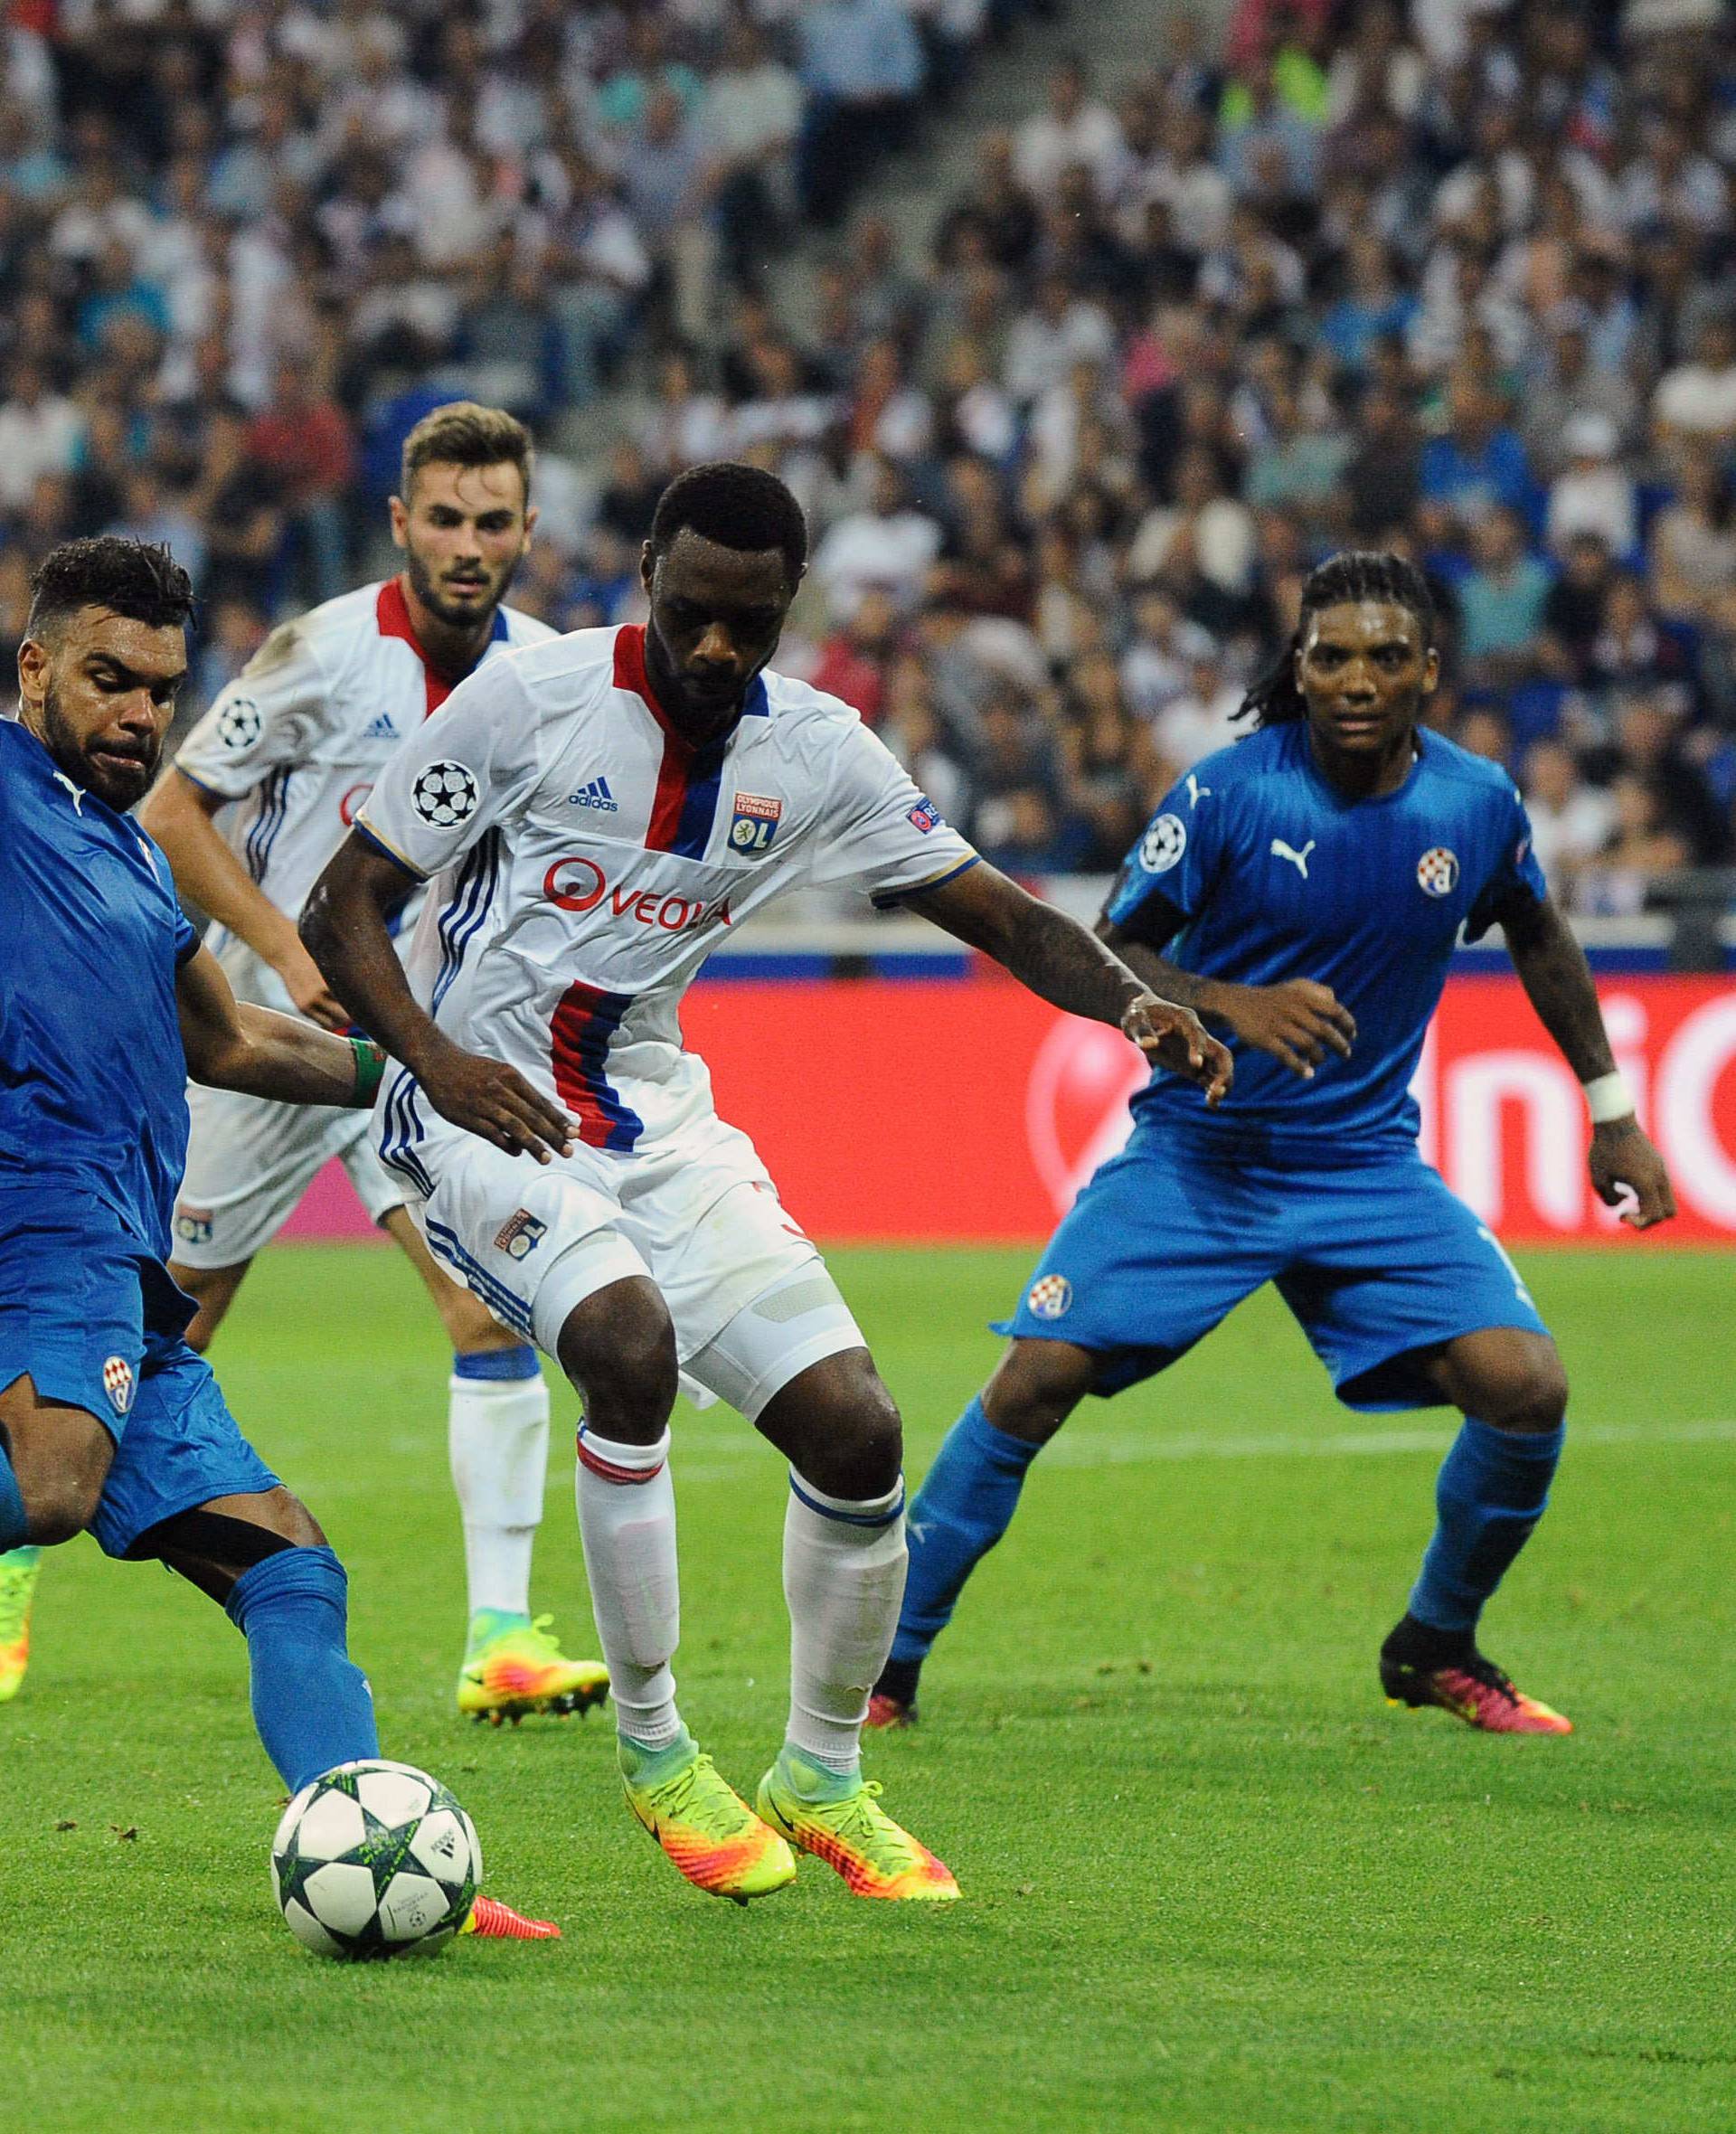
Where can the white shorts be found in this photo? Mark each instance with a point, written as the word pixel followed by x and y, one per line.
pixel 249 1160
pixel 750 1298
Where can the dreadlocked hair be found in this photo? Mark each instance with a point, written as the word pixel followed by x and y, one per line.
pixel 1357 575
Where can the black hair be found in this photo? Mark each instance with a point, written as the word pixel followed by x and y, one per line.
pixel 1355 574
pixel 138 579
pixel 738 507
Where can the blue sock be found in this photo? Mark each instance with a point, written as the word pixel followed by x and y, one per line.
pixel 964 1506
pixel 310 1701
pixel 15 1528
pixel 496 1364
pixel 1493 1487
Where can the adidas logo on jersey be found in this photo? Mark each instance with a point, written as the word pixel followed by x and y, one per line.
pixel 595 793
pixel 380 728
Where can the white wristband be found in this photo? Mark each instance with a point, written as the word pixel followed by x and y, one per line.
pixel 1608 1099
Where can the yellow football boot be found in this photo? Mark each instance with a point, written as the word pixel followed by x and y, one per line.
pixel 517 1666
pixel 853 1834
pixel 704 1826
pixel 18 1569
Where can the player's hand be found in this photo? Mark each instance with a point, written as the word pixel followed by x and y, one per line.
pixel 1623 1161
pixel 493 1101
pixel 1175 1038
pixel 1298 1022
pixel 307 985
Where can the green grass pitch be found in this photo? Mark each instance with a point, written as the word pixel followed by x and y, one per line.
pixel 1211 1879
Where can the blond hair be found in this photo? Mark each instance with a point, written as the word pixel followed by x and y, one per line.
pixel 464 433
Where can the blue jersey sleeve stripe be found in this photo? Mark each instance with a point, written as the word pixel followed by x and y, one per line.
pixel 378 843
pixel 885 898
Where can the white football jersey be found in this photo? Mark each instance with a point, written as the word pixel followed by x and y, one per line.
pixel 589 859
pixel 297 740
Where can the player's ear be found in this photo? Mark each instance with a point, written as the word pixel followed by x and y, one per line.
pixel 647 568
pixel 34 663
pixel 530 522
pixel 400 512
pixel 1430 671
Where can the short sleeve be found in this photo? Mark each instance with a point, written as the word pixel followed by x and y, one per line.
pixel 1174 862
pixel 456 776
pixel 879 829
pixel 186 938
pixel 269 716
pixel 1516 875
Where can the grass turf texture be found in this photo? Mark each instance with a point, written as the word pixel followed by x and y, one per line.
pixel 1211 1880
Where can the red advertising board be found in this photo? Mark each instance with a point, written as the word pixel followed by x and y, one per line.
pixel 968 1111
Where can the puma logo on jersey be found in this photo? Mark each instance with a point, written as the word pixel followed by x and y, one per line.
pixel 76 791
pixel 1298 860
pixel 1197 792
pixel 595 793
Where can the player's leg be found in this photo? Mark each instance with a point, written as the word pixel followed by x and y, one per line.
pixel 213 1289
pixel 1163 1243
pixel 845 1559
pixel 968 1498
pixel 1491 1490
pixel 257 1550
pixel 1411 1302
pixel 616 1346
pixel 498 1435
pixel 52 1461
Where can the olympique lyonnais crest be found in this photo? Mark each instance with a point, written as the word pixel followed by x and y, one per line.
pixel 755 822
pixel 520 1234
pixel 1050 1297
pixel 118 1384
pixel 1438 871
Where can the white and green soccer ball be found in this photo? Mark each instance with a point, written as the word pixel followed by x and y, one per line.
pixel 375 1859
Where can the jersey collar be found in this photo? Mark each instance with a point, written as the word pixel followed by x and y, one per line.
pixel 392 611
pixel 630 676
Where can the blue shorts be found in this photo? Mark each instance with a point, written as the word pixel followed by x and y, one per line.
pixel 95 1323
pixel 1374 1256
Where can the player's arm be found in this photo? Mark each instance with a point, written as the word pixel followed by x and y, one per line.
pixel 1298 1021
pixel 179 814
pixel 1557 980
pixel 234 1045
pixel 1064 964
pixel 343 926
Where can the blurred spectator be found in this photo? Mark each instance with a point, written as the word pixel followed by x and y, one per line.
pixel 39 434
pixel 1501 601
pixel 887 546
pixel 1695 402
pixel 1074 130
pixel 863 67
pixel 1202 717
pixel 852 662
pixel 1571 820
pixel 302 445
pixel 1593 494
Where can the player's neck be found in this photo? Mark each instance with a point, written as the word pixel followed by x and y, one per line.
pixel 665 686
pixel 451 650
pixel 1365 776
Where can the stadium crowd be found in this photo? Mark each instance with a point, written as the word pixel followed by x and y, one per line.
pixel 1456 281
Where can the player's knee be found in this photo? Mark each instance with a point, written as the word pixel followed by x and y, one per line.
pixel 1036 1386
pixel 855 1439
pixel 1528 1394
pixel 61 1501
pixel 619 1349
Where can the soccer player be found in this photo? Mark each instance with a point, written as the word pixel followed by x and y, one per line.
pixel 1303 890
pixel 598 812
pixel 109 1421
pixel 259 798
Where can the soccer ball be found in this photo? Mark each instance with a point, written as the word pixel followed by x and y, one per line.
pixel 444 794
pixel 375 1859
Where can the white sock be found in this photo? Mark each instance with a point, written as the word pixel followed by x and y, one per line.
pixel 626 1521
pixel 497 1430
pixel 844 1579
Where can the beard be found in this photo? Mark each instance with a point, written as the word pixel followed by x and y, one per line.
pixel 457 615
pixel 119 786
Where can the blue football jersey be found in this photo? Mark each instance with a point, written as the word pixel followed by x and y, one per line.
pixel 92 1073
pixel 1277 876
